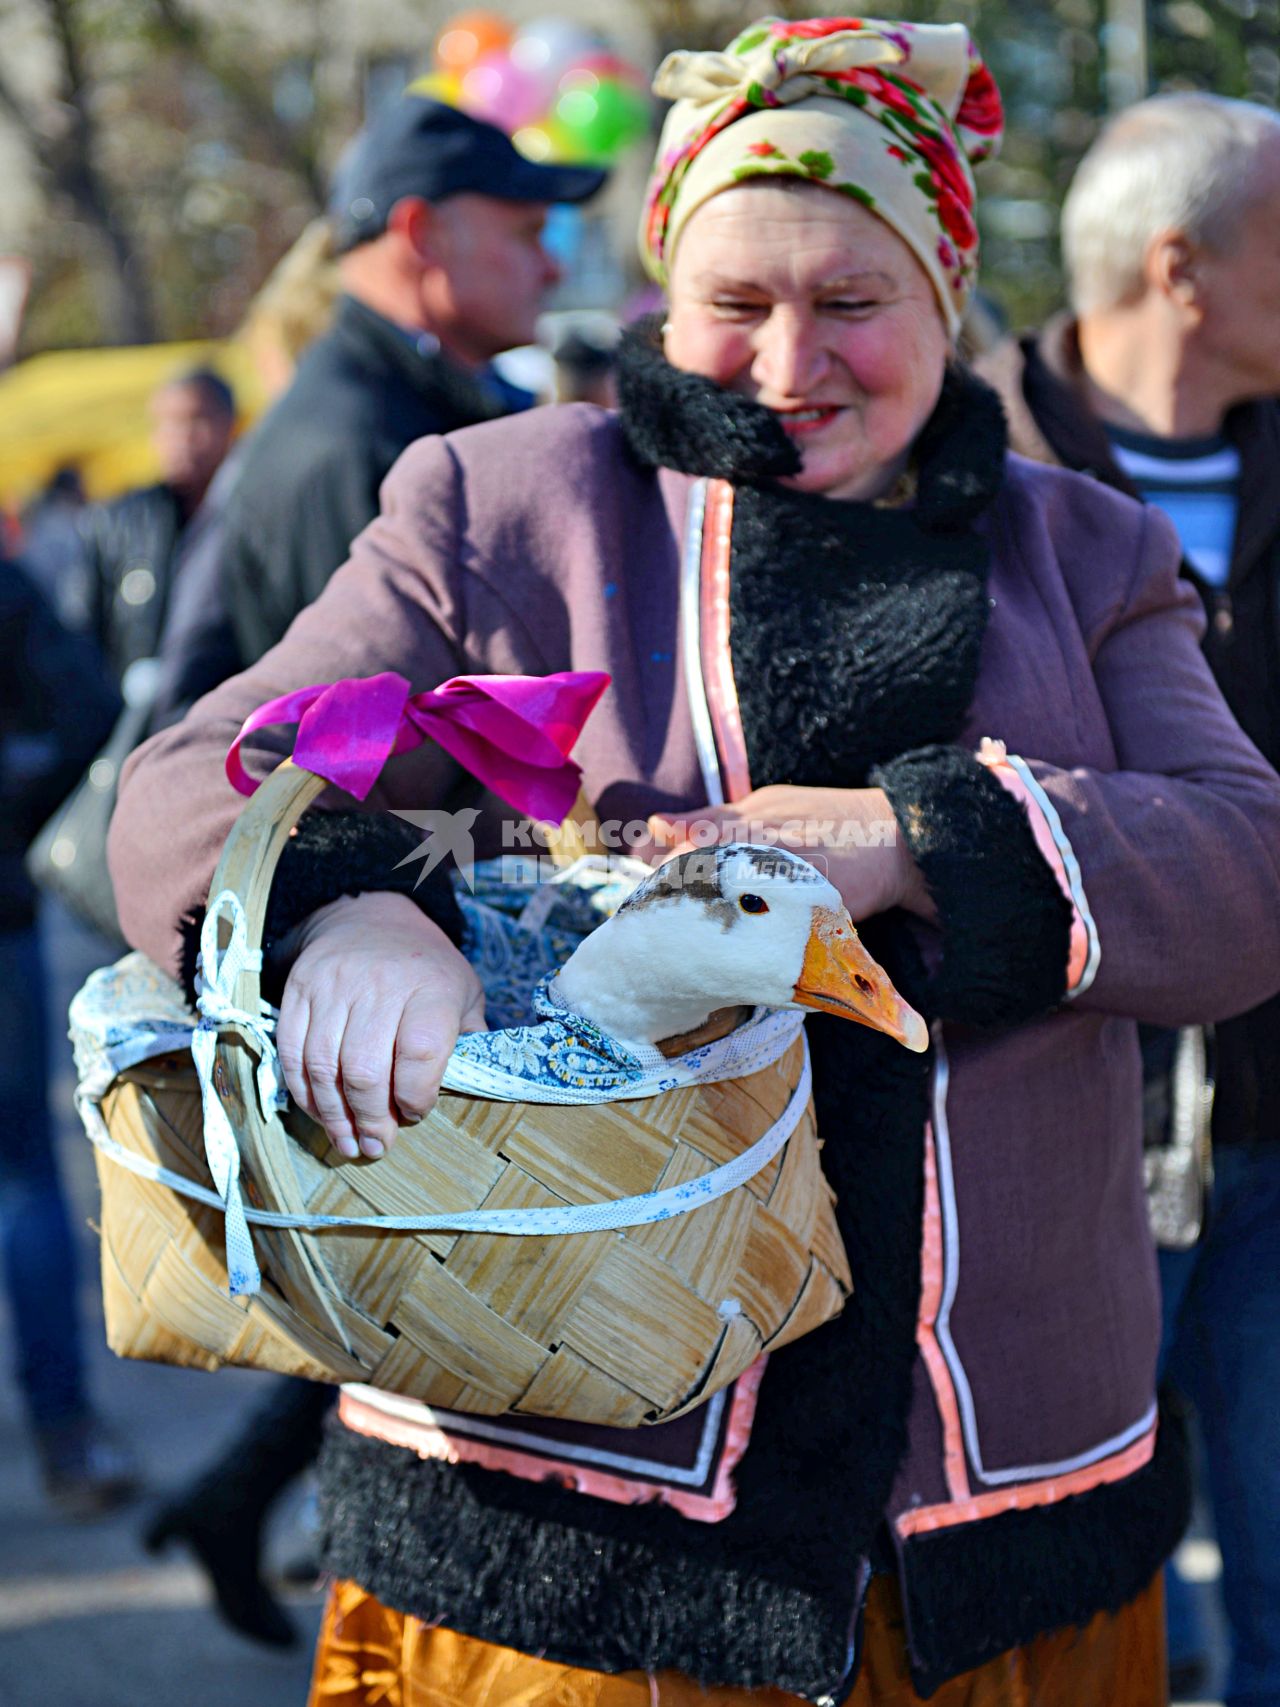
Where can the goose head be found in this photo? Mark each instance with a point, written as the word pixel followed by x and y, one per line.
pixel 735 925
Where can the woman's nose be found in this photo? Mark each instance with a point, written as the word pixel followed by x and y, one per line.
pixel 789 357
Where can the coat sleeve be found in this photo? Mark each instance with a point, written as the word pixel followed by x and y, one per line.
pixel 1175 854
pixel 398 604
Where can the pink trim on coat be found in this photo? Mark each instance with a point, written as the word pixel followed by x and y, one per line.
pixel 931 1284
pixel 994 755
pixel 717 657
pixel 424 1435
pixel 1029 1494
pixel 965 1506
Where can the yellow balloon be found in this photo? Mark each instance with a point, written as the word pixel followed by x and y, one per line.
pixel 544 142
pixel 443 86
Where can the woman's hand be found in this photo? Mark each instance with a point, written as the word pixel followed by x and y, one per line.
pixel 373 1004
pixel 850 834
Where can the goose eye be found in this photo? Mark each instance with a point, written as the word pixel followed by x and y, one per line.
pixel 753 904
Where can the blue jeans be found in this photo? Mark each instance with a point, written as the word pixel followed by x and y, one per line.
pixel 36 1244
pixel 1222 1349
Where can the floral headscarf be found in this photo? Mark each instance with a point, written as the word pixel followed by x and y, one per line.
pixel 894 115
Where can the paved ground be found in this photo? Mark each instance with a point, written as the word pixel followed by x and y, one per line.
pixel 87 1619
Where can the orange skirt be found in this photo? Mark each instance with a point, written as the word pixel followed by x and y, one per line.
pixel 370 1656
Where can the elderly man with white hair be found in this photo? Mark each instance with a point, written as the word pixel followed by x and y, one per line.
pixel 1164 381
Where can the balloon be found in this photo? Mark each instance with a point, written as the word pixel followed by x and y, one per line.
pixel 600 120
pixel 443 86
pixel 548 47
pixel 468 38
pixel 499 91
pixel 609 65
pixel 543 142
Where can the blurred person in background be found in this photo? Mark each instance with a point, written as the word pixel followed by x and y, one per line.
pixel 134 547
pixel 436 221
pixel 1164 382
pixel 198 646
pixel 586 368
pixel 50 531
pixel 56 706
pixel 118 590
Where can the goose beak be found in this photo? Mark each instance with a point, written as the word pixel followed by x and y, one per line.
pixel 840 977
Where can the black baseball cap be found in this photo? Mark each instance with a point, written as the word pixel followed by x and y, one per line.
pixel 418 147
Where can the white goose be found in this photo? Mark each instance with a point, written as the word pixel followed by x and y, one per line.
pixel 718 930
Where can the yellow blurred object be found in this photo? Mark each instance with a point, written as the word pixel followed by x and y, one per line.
pixel 88 408
pixel 443 86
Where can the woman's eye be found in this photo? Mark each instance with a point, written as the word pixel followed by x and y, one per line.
pixel 841 306
pixel 737 309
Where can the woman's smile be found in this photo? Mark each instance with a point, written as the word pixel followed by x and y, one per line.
pixel 811 418
pixel 807 303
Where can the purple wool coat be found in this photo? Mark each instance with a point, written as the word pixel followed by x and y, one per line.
pixel 537 544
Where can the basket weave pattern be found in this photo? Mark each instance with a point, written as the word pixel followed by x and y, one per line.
pixel 610 1327
pixel 613 1327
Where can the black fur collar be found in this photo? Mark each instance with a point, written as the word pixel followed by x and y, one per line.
pixel 679 420
pixel 856 630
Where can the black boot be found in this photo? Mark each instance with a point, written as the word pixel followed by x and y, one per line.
pixel 220 1515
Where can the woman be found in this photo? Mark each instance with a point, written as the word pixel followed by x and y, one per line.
pixel 978 1432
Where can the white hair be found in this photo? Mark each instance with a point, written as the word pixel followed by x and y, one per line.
pixel 1184 162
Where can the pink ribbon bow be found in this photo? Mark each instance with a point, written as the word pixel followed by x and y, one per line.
pixel 514 733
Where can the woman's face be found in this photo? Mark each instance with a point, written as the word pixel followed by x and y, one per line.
pixel 800 298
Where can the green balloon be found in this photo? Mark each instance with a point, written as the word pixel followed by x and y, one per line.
pixel 599 122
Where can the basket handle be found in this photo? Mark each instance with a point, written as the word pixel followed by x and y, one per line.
pixel 247 868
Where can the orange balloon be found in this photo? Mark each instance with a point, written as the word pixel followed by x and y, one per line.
pixel 469 37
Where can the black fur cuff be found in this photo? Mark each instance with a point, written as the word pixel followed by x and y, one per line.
pixel 340 853
pixel 1006 925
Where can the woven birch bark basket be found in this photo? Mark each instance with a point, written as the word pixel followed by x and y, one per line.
pixel 619 1327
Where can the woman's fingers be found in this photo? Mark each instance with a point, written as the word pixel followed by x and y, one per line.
pixel 291 1033
pixel 426 1035
pixel 364 1066
pixel 429 1027
pixel 292 1030
pixel 373 1004
pixel 322 1064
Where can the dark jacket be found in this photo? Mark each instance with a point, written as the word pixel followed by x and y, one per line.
pixel 362 393
pixel 56 708
pixel 1040 381
pixel 1016 1457
pixel 130 556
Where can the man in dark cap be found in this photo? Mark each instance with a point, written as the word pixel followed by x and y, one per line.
pixel 437 222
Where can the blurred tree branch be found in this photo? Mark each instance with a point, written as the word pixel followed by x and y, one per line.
pixel 246 91
pixel 68 152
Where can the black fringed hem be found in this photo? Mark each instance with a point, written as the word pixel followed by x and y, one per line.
pixel 339 853
pixel 1006 925
pixel 974 1591
pixel 424 1538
